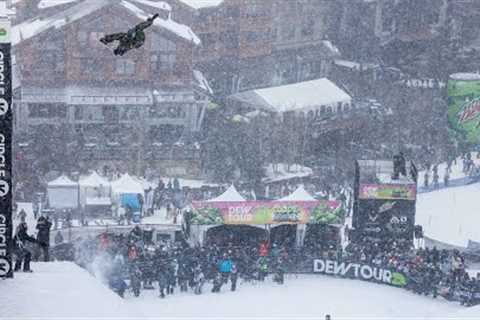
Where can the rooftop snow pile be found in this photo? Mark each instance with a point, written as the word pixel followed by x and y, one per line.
pixel 301 96
pixel 199 4
pixel 177 28
pixel 43 4
pixel 33 27
pixel 282 172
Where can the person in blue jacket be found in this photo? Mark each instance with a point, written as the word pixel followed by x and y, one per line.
pixel 225 267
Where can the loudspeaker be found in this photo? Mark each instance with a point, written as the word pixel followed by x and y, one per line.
pixel 418 232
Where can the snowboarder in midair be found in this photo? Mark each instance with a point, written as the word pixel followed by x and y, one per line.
pixel 134 38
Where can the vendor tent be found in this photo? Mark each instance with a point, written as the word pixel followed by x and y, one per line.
pixel 299 195
pixel 231 194
pixel 94 190
pixel 126 184
pixel 62 193
pixel 126 191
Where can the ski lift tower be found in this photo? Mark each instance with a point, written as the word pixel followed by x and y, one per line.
pixel 6 123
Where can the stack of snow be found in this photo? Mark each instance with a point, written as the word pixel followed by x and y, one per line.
pixel 60 290
pixel 450 215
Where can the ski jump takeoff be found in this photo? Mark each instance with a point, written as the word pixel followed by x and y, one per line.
pixel 134 38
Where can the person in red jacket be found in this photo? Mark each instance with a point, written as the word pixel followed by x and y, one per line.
pixel 263 250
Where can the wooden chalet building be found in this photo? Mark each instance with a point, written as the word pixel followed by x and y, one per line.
pixel 139 110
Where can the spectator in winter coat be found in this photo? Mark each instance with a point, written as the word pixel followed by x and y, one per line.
pixel 225 267
pixel 234 277
pixel 21 252
pixel 199 279
pixel 43 236
pixel 162 279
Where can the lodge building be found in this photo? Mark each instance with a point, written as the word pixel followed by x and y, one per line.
pixel 147 105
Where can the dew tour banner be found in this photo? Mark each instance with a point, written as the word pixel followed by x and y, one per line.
pixel 266 212
pixel 388 191
pixel 464 106
pixel 359 271
pixel 6 269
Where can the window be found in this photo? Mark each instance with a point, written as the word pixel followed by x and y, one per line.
pixel 229 39
pixel 232 12
pixel 39 110
pixel 90 66
pixel 308 26
pixel 124 67
pixel 253 36
pixel 208 39
pixel 288 32
pixel 167 111
pixel 82 37
pixel 78 113
pixel 164 54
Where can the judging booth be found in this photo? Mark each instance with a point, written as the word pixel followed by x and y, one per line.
pixel 288 216
pixel 63 193
pixel 95 193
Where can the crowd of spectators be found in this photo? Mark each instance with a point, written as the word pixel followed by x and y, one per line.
pixel 429 271
pixel 134 256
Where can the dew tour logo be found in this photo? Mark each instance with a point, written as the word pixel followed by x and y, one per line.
pixel 470 111
pixel 3 32
pixel 359 271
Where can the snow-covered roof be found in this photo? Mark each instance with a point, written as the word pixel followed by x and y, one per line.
pixel 155 4
pixel 33 27
pixel 180 30
pixel 465 76
pixel 43 4
pixel 93 180
pixel 299 195
pixel 202 82
pixel 283 172
pixel 199 4
pixel 231 194
pixel 301 96
pixel 355 65
pixel 331 47
pixel 127 184
pixel 63 181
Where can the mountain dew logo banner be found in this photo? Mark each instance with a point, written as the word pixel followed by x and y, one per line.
pixel 464 108
pixel 267 212
pixel 388 191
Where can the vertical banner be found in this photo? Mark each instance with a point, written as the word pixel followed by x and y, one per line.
pixel 6 123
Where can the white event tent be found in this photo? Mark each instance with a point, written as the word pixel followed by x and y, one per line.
pixel 63 193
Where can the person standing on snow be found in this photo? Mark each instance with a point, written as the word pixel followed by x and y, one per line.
pixel 43 236
pixel 199 279
pixel 21 252
pixel 225 267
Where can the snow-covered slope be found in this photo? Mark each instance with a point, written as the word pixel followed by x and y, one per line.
pixel 59 290
pixel 451 215
pixel 63 290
